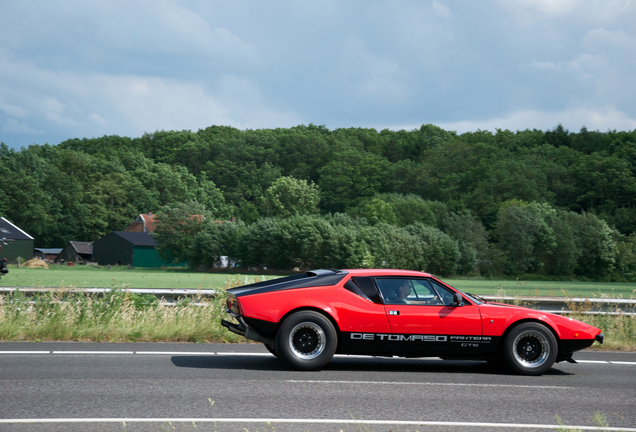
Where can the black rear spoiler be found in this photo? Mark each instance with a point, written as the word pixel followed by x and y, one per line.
pixel 313 278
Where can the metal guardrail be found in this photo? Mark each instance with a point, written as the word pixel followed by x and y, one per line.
pixel 159 292
pixel 561 305
pixel 167 296
pixel 558 305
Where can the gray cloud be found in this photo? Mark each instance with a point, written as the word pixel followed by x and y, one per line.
pixel 76 69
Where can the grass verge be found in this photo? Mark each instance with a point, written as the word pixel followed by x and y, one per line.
pixel 619 329
pixel 118 316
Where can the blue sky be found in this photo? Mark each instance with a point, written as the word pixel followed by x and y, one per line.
pixel 76 68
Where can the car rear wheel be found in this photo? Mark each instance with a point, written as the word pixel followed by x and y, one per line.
pixel 306 340
pixel 530 349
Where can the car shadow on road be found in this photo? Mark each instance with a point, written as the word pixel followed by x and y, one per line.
pixel 340 364
pixel 229 362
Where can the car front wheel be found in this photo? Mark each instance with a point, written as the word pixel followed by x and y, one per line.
pixel 530 349
pixel 306 340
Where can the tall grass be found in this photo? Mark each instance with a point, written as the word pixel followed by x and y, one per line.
pixel 117 316
pixel 619 329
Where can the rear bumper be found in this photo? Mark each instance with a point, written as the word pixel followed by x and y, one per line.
pixel 247 332
pixel 234 328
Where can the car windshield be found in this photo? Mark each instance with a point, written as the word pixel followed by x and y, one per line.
pixel 476 299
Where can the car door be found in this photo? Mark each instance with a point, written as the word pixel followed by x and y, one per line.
pixel 427 320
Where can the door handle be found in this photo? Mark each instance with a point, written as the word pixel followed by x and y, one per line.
pixel 394 312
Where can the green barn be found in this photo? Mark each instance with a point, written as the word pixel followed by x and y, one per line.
pixel 18 242
pixel 125 247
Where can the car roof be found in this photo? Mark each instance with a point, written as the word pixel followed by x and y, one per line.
pixel 386 272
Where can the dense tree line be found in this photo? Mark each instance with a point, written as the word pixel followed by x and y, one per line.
pixel 555 203
pixel 528 238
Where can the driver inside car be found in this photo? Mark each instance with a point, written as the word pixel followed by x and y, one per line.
pixel 398 293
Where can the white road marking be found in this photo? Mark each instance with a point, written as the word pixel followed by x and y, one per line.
pixel 427 384
pixel 93 352
pixel 245 354
pixel 592 361
pixel 25 352
pixel 175 353
pixel 317 421
pixel 623 362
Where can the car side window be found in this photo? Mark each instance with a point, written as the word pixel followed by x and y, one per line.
pixel 444 294
pixel 395 290
pixel 423 292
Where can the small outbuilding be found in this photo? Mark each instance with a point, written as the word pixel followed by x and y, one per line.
pixel 46 254
pixel 76 252
pixel 127 248
pixel 15 242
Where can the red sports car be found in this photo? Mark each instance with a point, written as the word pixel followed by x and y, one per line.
pixel 307 318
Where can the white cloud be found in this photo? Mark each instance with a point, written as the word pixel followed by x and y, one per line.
pixel 584 66
pixel 592 11
pixel 371 75
pixel 550 8
pixel 602 119
pixel 77 34
pixel 13 126
pixel 13 110
pixel 245 100
pixel 534 64
pixel 149 103
pixel 602 40
pixel 97 119
pixel 77 104
pixel 56 111
pixel 442 10
pixel 588 65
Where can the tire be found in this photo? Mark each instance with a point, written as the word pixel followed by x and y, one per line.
pixel 272 349
pixel 530 349
pixel 306 340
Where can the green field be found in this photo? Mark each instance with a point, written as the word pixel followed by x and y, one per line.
pixel 95 277
pixel 91 276
pixel 544 288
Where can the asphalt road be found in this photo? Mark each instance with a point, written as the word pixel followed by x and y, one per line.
pixel 198 387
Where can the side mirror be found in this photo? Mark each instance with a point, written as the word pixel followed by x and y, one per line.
pixel 457 300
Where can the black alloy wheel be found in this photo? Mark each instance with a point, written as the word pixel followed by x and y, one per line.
pixel 306 340
pixel 530 349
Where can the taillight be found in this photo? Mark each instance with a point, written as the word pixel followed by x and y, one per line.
pixel 233 306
